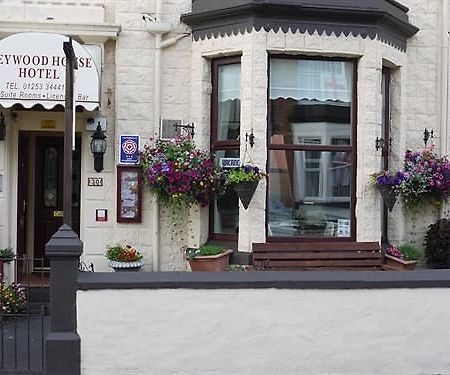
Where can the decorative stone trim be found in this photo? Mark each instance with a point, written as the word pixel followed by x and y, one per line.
pixel 385 20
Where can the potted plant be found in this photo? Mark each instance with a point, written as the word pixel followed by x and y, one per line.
pixel 388 185
pixel 6 256
pixel 124 258
pixel 13 298
pixel 244 180
pixel 211 258
pixel 400 258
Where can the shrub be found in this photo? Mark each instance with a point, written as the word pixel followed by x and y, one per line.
pixel 437 241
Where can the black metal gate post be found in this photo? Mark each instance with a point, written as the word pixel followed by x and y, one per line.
pixel 62 345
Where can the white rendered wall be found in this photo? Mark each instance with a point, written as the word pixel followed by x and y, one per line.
pixel 271 331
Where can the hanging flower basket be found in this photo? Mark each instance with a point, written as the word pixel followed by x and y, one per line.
pixel 245 191
pixel 389 195
pixel 244 181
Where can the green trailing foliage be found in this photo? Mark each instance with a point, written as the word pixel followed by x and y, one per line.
pixel 7 254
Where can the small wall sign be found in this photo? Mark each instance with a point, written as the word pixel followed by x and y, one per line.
pixel 48 124
pixel 101 214
pixel 230 162
pixel 129 149
pixel 95 181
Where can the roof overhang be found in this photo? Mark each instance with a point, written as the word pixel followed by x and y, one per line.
pixel 386 20
pixel 84 33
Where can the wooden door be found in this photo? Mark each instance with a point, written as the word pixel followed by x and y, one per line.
pixel 48 200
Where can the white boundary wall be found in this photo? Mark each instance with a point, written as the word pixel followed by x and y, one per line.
pixel 264 331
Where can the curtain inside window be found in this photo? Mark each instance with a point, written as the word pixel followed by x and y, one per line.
pixel 311 79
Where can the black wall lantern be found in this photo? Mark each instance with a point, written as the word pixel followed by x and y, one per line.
pixel 98 147
pixel 2 127
pixel 427 134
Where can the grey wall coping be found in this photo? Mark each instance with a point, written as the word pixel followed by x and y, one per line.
pixel 265 279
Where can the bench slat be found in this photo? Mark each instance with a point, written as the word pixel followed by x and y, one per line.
pixel 315 246
pixel 319 263
pixel 318 255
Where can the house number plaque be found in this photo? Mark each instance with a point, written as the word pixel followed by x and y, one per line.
pixel 95 181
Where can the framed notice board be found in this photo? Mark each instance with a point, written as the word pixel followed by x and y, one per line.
pixel 129 195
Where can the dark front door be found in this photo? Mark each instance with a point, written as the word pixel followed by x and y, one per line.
pixel 48 199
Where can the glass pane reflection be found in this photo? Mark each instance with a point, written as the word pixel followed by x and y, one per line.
pixel 226 208
pixel 309 193
pixel 310 99
pixel 229 103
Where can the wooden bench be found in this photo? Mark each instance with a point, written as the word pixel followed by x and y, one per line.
pixel 317 256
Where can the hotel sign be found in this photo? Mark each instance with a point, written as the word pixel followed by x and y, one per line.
pixel 33 71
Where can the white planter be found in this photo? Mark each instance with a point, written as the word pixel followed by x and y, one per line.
pixel 126 266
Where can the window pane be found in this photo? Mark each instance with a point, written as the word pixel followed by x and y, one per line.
pixel 226 208
pixel 229 102
pixel 310 98
pixel 309 193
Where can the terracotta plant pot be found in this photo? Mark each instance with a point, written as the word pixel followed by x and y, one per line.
pixel 245 191
pixel 397 264
pixel 211 263
pixel 389 195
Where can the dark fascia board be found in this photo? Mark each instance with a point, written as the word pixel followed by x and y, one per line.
pixel 386 20
pixel 265 280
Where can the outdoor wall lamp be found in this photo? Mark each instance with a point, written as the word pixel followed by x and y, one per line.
pixel 379 143
pixel 2 127
pixel 427 134
pixel 98 147
pixel 250 138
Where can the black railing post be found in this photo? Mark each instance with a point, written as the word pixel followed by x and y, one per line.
pixel 62 345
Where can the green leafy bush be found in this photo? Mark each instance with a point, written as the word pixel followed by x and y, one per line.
pixel 126 253
pixel 410 252
pixel 6 254
pixel 205 250
pixel 437 242
pixel 246 173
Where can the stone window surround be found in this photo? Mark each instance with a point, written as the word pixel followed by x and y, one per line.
pixel 386 20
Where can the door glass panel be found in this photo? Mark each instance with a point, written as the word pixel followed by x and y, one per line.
pixel 226 208
pixel 229 102
pixel 309 193
pixel 50 177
